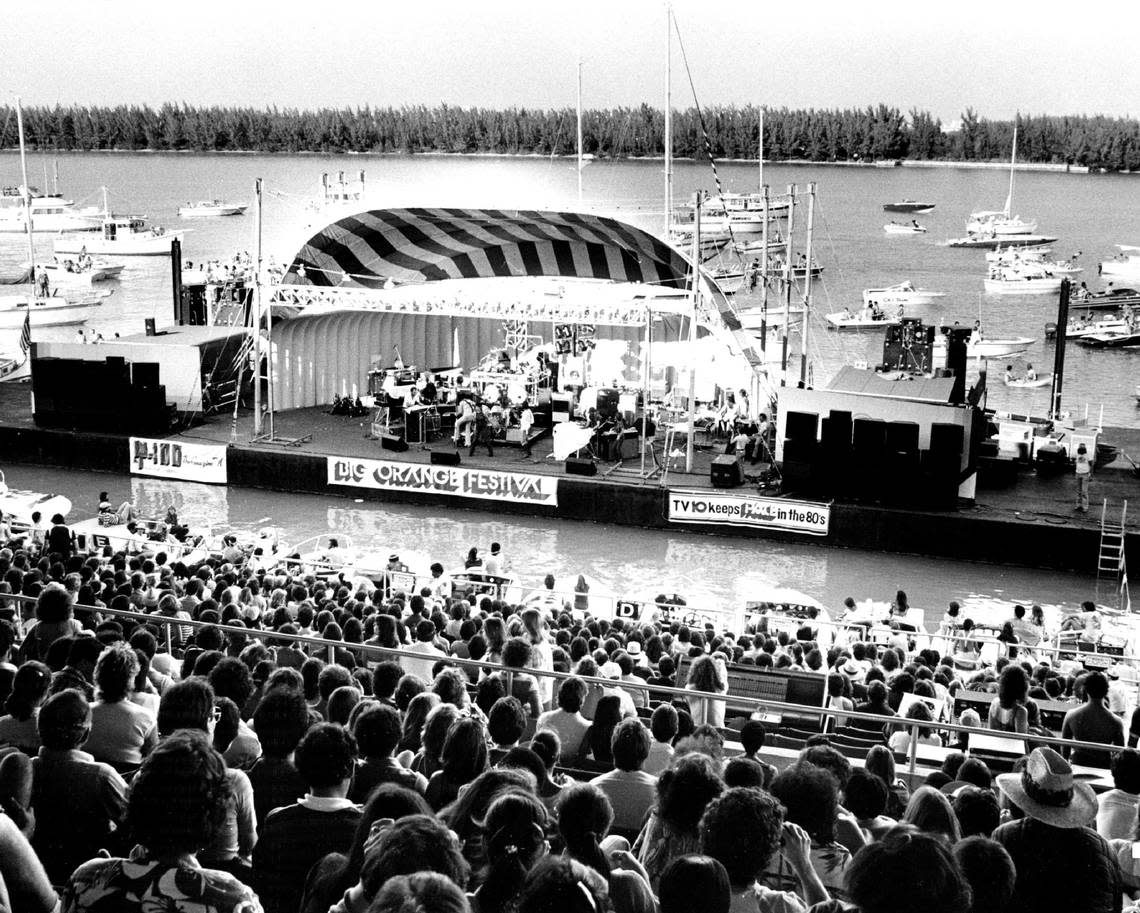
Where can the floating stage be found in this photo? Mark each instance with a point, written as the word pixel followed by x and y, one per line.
pixel 1030 523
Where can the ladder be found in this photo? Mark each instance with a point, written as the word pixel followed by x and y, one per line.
pixel 1110 564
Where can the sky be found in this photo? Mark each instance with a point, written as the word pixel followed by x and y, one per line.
pixel 998 58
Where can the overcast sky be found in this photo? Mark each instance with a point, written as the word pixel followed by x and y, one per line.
pixel 997 57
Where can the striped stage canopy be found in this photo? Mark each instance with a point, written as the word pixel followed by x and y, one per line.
pixel 368 249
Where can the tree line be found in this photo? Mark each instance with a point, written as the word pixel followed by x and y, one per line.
pixel 875 133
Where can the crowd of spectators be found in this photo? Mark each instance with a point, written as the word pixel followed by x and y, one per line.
pixel 166 743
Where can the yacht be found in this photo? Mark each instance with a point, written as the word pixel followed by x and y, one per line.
pixel 50 213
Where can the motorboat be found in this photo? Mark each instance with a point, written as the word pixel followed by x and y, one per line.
pixel 1108 300
pixel 1126 264
pixel 903 293
pixel 1021 281
pixel 211 209
pixel 1000 224
pixel 1016 252
pixel 908 206
pixel 15 366
pixel 50 213
pixel 121 236
pixel 995 348
pixel 990 241
pixel 53 311
pixel 752 318
pixel 21 504
pixel 863 319
pixel 904 228
pixel 1126 340
pixel 1079 328
pixel 80 271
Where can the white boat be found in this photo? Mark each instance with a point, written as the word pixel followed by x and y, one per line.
pixel 1002 224
pixel 865 318
pixel 752 318
pixel 1021 281
pixel 78 271
pixel 1125 265
pixel 995 348
pixel 991 241
pixel 15 365
pixel 50 213
pixel 53 311
pixel 21 504
pixel 1041 380
pixel 1079 328
pixel 121 236
pixel 211 209
pixel 1017 253
pixel 903 293
pixel 904 228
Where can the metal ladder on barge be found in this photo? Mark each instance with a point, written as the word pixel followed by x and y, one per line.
pixel 1111 564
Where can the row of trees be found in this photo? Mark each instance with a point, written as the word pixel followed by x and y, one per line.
pixel 872 134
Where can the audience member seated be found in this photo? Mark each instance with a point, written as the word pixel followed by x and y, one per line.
pixel 631 790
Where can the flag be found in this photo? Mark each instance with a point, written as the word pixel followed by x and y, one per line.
pixel 26 333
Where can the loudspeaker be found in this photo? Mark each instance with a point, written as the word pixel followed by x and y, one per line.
pixel 145 373
pixel 726 472
pixel 393 442
pixel 957 340
pixel 581 466
pixel 870 435
pixel 796 475
pixel 798 451
pixel 902 437
pixel 801 426
pixel 835 433
pixel 946 438
pixel 444 458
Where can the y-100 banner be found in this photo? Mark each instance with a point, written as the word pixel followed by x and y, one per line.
pixel 714 508
pixel 485 484
pixel 178 460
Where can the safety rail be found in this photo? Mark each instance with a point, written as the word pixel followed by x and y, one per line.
pixel 822 713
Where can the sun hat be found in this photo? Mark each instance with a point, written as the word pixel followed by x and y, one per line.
pixel 851 667
pixel 1047 791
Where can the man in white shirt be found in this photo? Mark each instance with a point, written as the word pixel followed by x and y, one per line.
pixel 630 789
pixel 440 583
pixel 495 564
pixel 567 721
pixel 1116 808
pixel 425 634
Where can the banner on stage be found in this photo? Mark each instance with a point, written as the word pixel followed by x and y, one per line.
pixel 809 518
pixel 486 484
pixel 178 460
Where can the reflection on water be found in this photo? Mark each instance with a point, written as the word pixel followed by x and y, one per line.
pixel 709 571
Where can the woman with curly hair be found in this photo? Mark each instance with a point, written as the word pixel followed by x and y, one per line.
pixel 122 732
pixel 1008 712
pixel 707 674
pixel 683 792
pixel 176 805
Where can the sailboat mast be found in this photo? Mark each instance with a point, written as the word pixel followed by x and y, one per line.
pixel 27 190
pixel 760 150
pixel 579 132
pixel 807 287
pixel 668 120
pixel 1012 161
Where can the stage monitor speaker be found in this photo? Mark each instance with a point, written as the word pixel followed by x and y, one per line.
pixel 902 437
pixel 581 466
pixel 801 426
pixel 445 458
pixel 870 435
pixel 393 442
pixel 946 438
pixel 726 472
pixel 145 373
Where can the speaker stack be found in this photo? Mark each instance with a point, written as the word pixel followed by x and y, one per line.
pixel 901 463
pixel 834 466
pixel 869 447
pixel 941 465
pixel 801 446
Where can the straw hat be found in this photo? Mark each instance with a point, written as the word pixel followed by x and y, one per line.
pixel 1046 790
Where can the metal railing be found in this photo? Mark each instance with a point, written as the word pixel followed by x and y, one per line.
pixel 758 705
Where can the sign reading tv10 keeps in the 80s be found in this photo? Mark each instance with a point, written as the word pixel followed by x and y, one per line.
pixel 178 460
pixel 484 484
pixel 806 517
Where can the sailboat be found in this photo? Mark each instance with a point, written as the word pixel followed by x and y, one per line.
pixel 1003 222
pixel 36 307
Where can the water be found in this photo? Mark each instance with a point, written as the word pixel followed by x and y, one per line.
pixel 707 570
pixel 1089 213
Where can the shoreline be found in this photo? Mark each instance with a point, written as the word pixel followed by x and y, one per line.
pixel 995 165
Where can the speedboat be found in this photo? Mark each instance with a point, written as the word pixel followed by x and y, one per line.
pixel 1126 340
pixel 908 206
pixel 904 228
pixel 211 209
pixel 1108 300
pixel 1078 328
pixel 80 271
pixel 990 241
pixel 21 504
pixel 903 293
pixel 122 236
pixel 867 318
pixel 1017 253
pixel 54 311
pixel 1126 264
pixel 1021 281
pixel 994 348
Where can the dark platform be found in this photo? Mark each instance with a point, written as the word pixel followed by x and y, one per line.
pixel 1029 523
